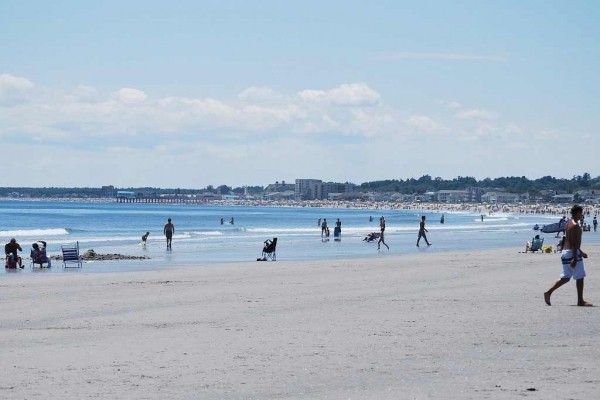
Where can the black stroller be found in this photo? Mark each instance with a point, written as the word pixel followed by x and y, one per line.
pixel 268 252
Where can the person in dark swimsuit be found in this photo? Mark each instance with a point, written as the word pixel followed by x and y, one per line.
pixel 169 230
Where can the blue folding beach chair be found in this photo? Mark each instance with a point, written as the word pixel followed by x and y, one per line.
pixel 70 254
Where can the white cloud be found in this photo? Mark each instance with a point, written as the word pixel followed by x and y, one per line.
pixel 356 94
pixel 513 129
pixel 129 95
pixel 128 114
pixel 486 129
pixel 549 136
pixel 82 93
pixel 476 113
pixel 261 130
pixel 424 123
pixel 260 95
pixel 348 94
pixel 453 104
pixel 13 89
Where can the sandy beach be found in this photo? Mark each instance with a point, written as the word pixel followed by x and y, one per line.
pixel 425 326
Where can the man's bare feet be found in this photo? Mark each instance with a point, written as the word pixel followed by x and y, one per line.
pixel 547 298
pixel 585 304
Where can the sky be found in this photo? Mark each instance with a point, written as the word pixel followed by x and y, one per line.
pixel 196 93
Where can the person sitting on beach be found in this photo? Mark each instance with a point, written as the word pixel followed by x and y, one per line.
pixel 371 236
pixel 536 243
pixel 268 247
pixel 38 254
pixel 586 227
pixel 12 256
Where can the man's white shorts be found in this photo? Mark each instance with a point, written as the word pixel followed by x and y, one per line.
pixel 577 272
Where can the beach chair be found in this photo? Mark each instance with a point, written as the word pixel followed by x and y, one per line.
pixel 39 262
pixel 268 252
pixel 536 244
pixel 38 255
pixel 70 255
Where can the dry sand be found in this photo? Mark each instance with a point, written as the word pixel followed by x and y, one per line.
pixel 429 325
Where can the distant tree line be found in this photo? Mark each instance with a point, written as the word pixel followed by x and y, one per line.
pixel 511 184
pixel 409 186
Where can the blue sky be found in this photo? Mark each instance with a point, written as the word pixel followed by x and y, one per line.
pixel 192 93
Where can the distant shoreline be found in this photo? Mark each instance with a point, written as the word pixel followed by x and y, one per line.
pixel 477 208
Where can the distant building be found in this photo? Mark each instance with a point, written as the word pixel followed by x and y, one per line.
pixel 378 196
pixel 452 196
pixel 107 191
pixel 563 198
pixel 125 194
pixel 305 189
pixel 283 195
pixel 475 194
pixel 315 189
pixel 209 196
pixel 426 197
pixel 589 196
pixel 500 197
pixel 279 187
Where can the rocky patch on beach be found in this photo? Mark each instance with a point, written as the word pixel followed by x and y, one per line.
pixel 91 255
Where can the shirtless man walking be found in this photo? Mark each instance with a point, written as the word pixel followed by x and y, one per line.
pixel 169 230
pixel 572 258
pixel 422 231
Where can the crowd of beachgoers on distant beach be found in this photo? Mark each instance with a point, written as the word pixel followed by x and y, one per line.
pixel 477 208
pixel 481 208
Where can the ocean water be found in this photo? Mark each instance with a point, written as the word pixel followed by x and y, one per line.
pixel 200 239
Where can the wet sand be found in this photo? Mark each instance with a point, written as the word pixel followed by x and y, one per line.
pixel 426 326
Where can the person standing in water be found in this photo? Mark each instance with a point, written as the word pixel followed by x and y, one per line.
pixel 324 228
pixel 145 238
pixel 422 231
pixel 381 233
pixel 169 230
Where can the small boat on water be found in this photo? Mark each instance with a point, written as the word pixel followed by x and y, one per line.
pixel 536 227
